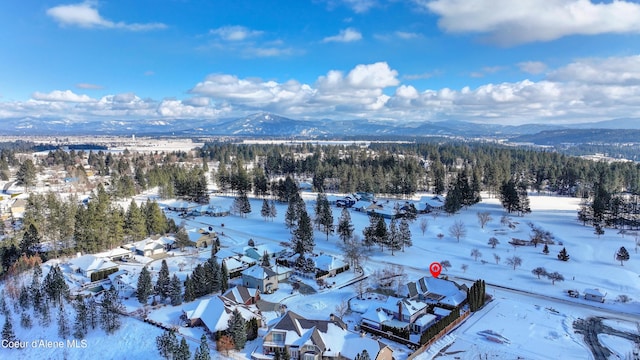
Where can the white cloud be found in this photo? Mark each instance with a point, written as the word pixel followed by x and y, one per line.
pixel 88 86
pixel 85 15
pixel 510 22
pixel 235 33
pixel 616 70
pixel 346 35
pixel 64 96
pixel 532 67
pixel 585 90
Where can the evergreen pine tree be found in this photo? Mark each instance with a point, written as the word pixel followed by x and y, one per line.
pixel 622 255
pixel 405 234
pixel 325 220
pixel 162 283
pixel 265 210
pixel 175 291
pixel 182 238
pixel 182 353
pixel 345 226
pixel 92 312
pixel 273 212
pixel 45 314
pixel 237 329
pixel 155 220
pixel 291 216
pixel 523 200
pixel 110 311
pixel 189 291
pixel 224 277
pixel 303 235
pixel 81 322
pixel 203 352
pixel 563 255
pixel 23 298
pixel 134 223
pixel 265 259
pixel 64 329
pixel 7 330
pixel 394 238
pixel 31 241
pixel 55 286
pixel 25 320
pixel 167 344
pixel 144 288
pixel 381 233
pixel 509 196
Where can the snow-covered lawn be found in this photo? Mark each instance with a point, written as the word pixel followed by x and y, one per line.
pixel 530 326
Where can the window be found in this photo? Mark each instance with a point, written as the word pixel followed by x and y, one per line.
pixel 278 337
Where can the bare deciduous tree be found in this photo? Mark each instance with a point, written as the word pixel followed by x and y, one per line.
pixel 514 261
pixel 446 264
pixel 496 257
pixel 555 276
pixel 483 218
pixel 475 253
pixel 458 230
pixel 424 224
pixel 539 271
pixel 342 308
pixel 493 241
pixel 464 267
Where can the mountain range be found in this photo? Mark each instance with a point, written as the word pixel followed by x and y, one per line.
pixel 272 125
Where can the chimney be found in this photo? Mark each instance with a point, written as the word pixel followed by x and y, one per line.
pixel 400 310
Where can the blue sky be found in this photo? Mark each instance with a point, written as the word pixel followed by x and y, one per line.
pixel 490 61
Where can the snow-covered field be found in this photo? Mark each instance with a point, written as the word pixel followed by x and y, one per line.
pixel 533 325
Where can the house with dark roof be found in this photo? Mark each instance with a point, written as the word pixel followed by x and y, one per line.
pixel 436 291
pixel 242 295
pixel 307 339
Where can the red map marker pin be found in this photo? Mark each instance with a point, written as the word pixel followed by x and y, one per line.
pixel 435 269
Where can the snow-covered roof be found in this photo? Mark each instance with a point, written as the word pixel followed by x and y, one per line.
pixel 258 272
pixel 124 277
pixel 425 319
pixel 433 201
pixel 117 252
pixel 91 263
pixel 240 294
pixel 409 307
pixel 328 262
pixel 445 291
pixel 215 312
pixel 594 292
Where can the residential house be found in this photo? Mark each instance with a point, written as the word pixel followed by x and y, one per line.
pixel 214 313
pixel 18 207
pixel 242 295
pixel 436 291
pixel 151 246
pixel 118 253
pixel 306 339
pixel 201 237
pixel 594 295
pixel 93 267
pixel 125 282
pixel 428 204
pixel 257 251
pixel 261 278
pixel 330 264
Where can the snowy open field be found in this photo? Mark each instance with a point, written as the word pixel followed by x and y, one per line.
pixel 533 325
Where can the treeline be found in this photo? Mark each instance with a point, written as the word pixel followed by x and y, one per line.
pixel 404 168
pixel 67 226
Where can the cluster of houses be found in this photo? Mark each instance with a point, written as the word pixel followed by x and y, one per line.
pixel 188 208
pixel 365 202
pixel 423 302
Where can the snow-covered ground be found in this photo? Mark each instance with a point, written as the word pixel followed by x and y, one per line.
pixel 535 323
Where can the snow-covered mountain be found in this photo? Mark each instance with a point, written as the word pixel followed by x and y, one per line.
pixel 268 124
